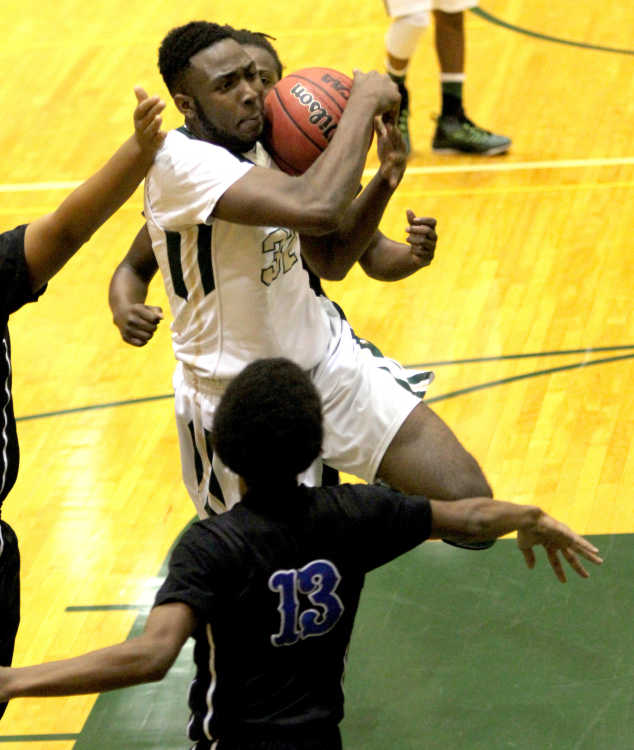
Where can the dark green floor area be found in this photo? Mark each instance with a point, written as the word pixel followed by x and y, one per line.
pixel 455 649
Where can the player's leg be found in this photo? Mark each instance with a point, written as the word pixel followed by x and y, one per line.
pixel 455 132
pixel 426 458
pixel 9 595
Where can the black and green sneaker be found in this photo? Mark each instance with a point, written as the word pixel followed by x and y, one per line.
pixel 456 135
pixel 403 116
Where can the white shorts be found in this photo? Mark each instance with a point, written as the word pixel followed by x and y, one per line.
pixel 398 8
pixel 365 397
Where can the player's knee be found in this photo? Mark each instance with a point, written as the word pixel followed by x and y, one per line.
pixel 403 34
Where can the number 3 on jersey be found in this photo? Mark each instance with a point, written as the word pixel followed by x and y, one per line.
pixel 318 581
pixel 278 248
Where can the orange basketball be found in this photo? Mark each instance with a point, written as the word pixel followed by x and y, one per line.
pixel 302 111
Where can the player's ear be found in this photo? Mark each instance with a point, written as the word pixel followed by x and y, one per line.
pixel 185 104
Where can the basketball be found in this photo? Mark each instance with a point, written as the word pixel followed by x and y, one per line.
pixel 302 111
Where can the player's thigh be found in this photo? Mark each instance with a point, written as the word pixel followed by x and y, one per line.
pixel 425 457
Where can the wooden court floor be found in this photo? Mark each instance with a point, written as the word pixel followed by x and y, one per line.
pixel 525 314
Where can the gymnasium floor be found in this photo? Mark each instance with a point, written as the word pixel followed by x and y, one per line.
pixel 525 314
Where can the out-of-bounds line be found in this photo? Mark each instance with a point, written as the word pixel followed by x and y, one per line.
pixel 546 37
pixel 525 376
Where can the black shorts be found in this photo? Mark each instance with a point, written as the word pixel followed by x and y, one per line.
pixel 329 739
pixel 9 595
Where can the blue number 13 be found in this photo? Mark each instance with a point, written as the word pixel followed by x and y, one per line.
pixel 318 581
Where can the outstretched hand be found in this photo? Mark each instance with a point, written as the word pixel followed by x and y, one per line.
pixel 147 120
pixel 422 238
pixel 557 538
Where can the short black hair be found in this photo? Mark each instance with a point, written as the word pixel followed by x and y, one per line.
pixel 259 39
pixel 268 425
pixel 182 43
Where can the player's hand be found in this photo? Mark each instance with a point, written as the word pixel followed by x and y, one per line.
pixel 382 89
pixel 556 538
pixel 138 323
pixel 148 121
pixel 422 238
pixel 391 151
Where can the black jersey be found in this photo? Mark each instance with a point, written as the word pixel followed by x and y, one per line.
pixel 15 291
pixel 276 594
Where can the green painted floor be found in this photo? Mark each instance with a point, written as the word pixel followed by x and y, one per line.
pixel 454 649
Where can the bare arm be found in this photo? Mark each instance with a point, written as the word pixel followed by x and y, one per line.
pixel 52 240
pixel 482 519
pixel 143 659
pixel 388 260
pixel 128 290
pixel 316 201
pixel 333 255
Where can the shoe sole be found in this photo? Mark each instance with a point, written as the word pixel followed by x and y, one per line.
pixel 490 152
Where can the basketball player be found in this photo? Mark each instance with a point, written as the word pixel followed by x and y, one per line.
pixel 29 256
pixel 270 589
pixel 384 259
pixel 225 229
pixel 455 132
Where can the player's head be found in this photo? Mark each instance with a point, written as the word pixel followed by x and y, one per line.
pixel 268 426
pixel 214 83
pixel 263 53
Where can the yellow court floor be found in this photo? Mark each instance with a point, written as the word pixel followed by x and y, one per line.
pixel 526 312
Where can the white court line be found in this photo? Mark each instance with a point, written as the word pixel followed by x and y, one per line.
pixel 485 166
pixel 512 166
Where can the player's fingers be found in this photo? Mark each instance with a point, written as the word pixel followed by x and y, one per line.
pixel 140 93
pixel 379 127
pixel 529 557
pixel 586 549
pixel 574 562
pixel 555 564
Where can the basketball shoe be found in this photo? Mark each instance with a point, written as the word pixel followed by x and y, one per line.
pixel 457 134
pixel 403 115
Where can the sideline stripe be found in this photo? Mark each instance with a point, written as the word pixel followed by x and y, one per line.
pixel 547 38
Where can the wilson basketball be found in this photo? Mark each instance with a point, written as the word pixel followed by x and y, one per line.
pixel 302 111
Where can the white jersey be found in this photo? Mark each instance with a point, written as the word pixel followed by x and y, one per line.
pixel 236 292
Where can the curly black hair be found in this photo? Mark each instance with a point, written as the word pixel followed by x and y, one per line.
pixel 259 39
pixel 268 425
pixel 182 43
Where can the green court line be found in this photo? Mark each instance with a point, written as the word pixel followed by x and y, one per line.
pixel 474 360
pixel 107 607
pixel 525 376
pixel 546 37
pixel 500 357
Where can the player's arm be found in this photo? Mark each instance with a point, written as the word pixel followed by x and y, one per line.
pixel 128 291
pixel 482 519
pixel 316 201
pixel 52 240
pixel 143 659
pixel 333 255
pixel 388 260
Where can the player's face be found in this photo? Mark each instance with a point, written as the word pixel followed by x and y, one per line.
pixel 228 98
pixel 265 65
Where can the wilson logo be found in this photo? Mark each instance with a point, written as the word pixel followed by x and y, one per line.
pixel 318 114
